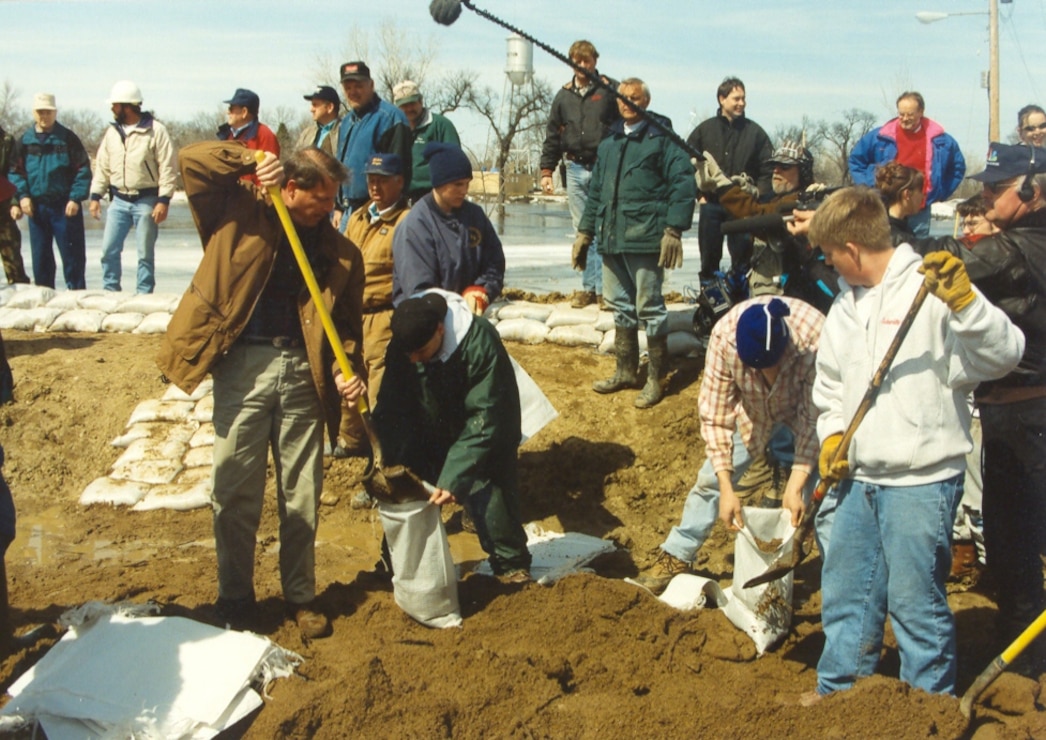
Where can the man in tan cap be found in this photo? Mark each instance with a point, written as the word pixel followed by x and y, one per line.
pixel 426 126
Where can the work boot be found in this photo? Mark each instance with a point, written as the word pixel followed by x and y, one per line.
pixel 657 369
pixel 964 559
pixel 583 298
pixel 313 623
pixel 626 347
pixel 666 567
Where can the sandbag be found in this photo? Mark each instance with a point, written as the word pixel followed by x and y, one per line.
pixel 174 393
pixel 536 410
pixel 31 296
pixel 764 612
pixel 525 331
pixel 176 497
pixel 155 410
pixel 424 581
pixel 203 436
pixel 148 303
pixel 565 316
pixel 198 457
pixel 27 319
pixel 684 344
pixel 524 310
pixel 575 335
pixel 79 319
pixel 114 492
pixel 605 322
pixel 109 302
pixel 680 318
pixel 154 323
pixel 121 322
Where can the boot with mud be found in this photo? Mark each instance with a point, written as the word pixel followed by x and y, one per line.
pixel 626 347
pixel 666 567
pixel 657 369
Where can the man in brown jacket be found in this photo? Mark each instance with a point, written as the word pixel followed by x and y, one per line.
pixel 248 319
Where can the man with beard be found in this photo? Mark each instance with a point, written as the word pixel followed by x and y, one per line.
pixel 135 168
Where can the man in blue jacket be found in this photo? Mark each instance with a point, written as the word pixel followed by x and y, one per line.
pixel 52 178
pixel 640 201
pixel 917 142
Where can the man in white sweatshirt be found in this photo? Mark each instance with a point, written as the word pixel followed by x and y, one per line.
pixel 902 473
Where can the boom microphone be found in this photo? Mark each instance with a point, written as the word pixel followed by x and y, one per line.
pixel 445 12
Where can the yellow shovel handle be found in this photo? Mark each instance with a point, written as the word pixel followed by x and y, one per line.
pixel 313 286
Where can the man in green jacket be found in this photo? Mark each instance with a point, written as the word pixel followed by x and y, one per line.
pixel 425 126
pixel 448 408
pixel 640 200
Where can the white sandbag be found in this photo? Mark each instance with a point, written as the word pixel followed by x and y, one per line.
pixel 764 612
pixel 566 316
pixel 606 347
pixel 144 430
pixel 156 410
pixel 174 393
pixel 68 300
pixel 203 436
pixel 79 319
pixel 525 331
pixel 148 303
pixel 180 432
pixel 424 581
pixel 7 292
pixel 605 322
pixel 189 477
pixel 150 449
pixel 203 410
pixel 684 344
pixel 153 323
pixel 680 318
pixel 199 457
pixel 31 296
pixel 107 302
pixel 577 335
pixel 536 410
pixel 525 310
pixel 114 492
pixel 687 592
pixel 148 471
pixel 176 498
pixel 121 322
pixel 554 555
pixel 27 319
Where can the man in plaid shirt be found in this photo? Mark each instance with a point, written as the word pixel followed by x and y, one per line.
pixel 759 372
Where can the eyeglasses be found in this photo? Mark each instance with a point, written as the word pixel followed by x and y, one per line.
pixel 1030 129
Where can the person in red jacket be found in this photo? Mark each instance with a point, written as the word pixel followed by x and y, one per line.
pixel 243 125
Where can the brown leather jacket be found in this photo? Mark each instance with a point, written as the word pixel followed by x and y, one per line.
pixel 240 235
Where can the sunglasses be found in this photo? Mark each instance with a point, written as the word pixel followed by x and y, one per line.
pixel 1030 129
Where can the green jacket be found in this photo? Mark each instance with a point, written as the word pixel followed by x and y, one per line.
pixel 434 128
pixel 642 182
pixel 455 422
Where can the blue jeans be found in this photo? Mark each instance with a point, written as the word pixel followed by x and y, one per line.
pixel 892 555
pixel 710 241
pixel 632 289
pixel 701 509
pixel 578 178
pixel 49 223
pixel 121 217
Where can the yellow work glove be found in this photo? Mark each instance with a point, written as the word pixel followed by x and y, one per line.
pixel 671 249
pixel 946 277
pixel 579 254
pixel 832 471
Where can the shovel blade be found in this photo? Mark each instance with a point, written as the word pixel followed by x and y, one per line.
pixel 396 484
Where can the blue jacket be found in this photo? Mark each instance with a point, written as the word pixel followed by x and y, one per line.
pixel 379 127
pixel 642 182
pixel 55 169
pixel 946 165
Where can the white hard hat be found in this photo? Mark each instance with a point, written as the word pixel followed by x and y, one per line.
pixel 125 91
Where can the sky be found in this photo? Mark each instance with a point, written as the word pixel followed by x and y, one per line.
pixel 799 58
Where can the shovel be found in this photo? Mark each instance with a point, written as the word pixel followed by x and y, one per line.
pixel 998 665
pixel 396 484
pixel 786 563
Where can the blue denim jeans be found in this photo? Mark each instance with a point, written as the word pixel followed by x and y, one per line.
pixel 892 555
pixel 578 178
pixel 701 509
pixel 122 215
pixel 710 241
pixel 632 289
pixel 49 223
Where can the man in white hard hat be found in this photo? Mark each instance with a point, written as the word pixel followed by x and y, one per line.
pixel 136 168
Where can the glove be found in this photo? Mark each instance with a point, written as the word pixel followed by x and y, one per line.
pixel 476 299
pixel 946 277
pixel 671 249
pixel 830 471
pixel 746 183
pixel 579 253
pixel 708 175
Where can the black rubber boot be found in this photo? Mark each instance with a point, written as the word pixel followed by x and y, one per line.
pixel 657 369
pixel 626 347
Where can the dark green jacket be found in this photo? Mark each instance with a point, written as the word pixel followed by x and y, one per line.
pixel 455 423
pixel 434 128
pixel 642 182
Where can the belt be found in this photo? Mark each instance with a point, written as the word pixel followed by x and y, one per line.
pixel 277 342
pixel 143 193
pixel 583 161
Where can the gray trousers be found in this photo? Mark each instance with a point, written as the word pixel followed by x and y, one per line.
pixel 265 398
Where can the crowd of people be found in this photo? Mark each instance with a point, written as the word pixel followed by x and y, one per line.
pixel 405 268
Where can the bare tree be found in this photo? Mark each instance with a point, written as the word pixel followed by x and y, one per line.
pixel 393 55
pixel 13 119
pixel 203 126
pixel 86 124
pixel 838 138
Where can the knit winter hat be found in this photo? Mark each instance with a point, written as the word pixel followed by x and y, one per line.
pixel 447 163
pixel 415 320
pixel 762 334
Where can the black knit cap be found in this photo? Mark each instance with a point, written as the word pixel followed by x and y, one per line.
pixel 415 320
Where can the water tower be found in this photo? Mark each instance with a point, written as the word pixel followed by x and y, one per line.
pixel 518 88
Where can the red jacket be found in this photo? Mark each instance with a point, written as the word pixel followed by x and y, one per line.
pixel 256 136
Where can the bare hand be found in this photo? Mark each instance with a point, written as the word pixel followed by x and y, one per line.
pixel 160 213
pixel 26 205
pixel 546 185
pixel 730 510
pixel 442 496
pixel 71 209
pixel 95 207
pixel 269 171
pixel 16 213
pixel 350 389
pixel 793 501
pixel 800 223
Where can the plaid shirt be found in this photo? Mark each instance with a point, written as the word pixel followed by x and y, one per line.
pixel 736 396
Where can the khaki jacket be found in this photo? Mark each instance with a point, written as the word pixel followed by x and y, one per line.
pixel 240 235
pixel 308 135
pixel 375 242
pixel 142 159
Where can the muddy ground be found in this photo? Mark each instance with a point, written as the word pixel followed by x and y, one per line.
pixel 590 656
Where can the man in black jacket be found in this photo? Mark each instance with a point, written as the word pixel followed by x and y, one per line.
pixel 581 113
pixel 741 148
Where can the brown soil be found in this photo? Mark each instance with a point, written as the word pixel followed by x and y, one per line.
pixel 590 656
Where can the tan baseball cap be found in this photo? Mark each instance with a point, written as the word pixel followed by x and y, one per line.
pixel 44 101
pixel 406 92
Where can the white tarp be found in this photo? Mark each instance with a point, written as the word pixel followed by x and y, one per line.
pixel 557 554
pixel 116 675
